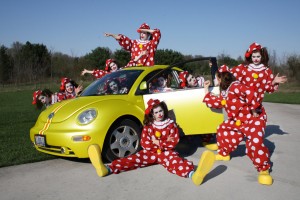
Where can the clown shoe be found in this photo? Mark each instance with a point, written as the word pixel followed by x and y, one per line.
pixel 222 158
pixel 210 146
pixel 265 178
pixel 205 164
pixel 95 157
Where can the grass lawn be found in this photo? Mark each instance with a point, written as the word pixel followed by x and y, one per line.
pixel 18 115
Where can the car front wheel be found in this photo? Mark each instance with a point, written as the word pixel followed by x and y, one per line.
pixel 123 139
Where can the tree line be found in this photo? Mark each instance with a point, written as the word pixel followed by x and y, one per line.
pixel 33 63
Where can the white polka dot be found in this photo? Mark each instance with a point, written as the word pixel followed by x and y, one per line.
pixel 257 160
pixel 260 152
pixel 255 140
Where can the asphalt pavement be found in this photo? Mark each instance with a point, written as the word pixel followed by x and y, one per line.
pixel 236 179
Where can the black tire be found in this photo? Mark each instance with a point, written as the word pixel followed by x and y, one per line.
pixel 122 140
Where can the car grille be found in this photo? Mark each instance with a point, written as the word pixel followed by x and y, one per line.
pixel 56 150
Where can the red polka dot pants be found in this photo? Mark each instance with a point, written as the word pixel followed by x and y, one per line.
pixel 168 159
pixel 229 137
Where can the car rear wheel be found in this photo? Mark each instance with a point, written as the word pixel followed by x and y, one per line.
pixel 123 139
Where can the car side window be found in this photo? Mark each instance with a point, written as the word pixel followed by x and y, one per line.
pixel 163 82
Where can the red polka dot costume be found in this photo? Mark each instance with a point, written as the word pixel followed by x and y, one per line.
pixel 238 101
pixel 183 80
pixel 151 153
pixel 98 73
pixel 135 47
pixel 54 98
pixel 258 77
pixel 64 94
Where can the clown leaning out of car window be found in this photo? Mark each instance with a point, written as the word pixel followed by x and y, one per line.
pixel 110 66
pixel 159 138
pixel 69 88
pixel 142 50
pixel 45 98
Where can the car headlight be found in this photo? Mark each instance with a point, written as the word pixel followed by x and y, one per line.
pixel 87 116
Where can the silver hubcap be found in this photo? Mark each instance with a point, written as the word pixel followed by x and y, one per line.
pixel 124 141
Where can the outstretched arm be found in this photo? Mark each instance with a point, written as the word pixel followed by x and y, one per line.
pixel 116 36
pixel 85 71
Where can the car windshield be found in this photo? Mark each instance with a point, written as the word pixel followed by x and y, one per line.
pixel 119 82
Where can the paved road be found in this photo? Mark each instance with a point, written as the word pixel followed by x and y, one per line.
pixel 236 179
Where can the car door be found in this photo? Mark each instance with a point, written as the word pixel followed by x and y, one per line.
pixel 186 106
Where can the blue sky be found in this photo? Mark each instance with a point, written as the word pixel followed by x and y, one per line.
pixel 192 27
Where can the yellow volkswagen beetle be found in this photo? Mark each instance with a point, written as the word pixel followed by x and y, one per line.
pixel 110 113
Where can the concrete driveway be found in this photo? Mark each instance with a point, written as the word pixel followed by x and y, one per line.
pixel 237 179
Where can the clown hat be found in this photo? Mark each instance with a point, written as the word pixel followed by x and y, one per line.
pixel 182 77
pixel 107 63
pixel 151 103
pixel 253 47
pixel 224 68
pixel 36 95
pixel 63 82
pixel 143 26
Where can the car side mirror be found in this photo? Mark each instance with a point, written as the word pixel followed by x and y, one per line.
pixel 143 85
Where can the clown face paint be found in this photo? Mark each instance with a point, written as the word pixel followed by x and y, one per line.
pixel 43 99
pixel 162 82
pixel 256 58
pixel 113 86
pixel 144 36
pixel 69 88
pixel 158 114
pixel 192 81
pixel 113 67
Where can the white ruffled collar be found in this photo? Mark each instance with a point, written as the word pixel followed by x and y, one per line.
pixel 257 68
pixel 162 124
pixel 142 41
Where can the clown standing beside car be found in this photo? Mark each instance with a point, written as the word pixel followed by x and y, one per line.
pixel 243 121
pixel 142 50
pixel 257 75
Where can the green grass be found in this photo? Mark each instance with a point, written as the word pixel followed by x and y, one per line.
pixel 18 115
pixel 283 97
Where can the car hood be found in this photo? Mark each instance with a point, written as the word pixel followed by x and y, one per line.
pixel 63 110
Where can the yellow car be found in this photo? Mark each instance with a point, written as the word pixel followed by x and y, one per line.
pixel 110 113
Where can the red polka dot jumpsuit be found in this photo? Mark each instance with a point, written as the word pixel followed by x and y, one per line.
pixel 151 153
pixel 98 73
pixel 238 101
pixel 135 47
pixel 259 79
